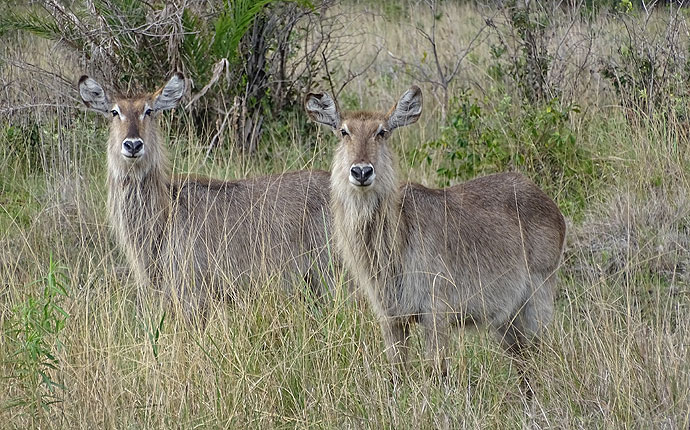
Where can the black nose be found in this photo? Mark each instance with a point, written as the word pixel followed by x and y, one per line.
pixel 361 174
pixel 133 146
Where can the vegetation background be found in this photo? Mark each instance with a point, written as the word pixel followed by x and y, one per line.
pixel 588 98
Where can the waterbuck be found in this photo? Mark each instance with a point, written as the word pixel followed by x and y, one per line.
pixel 481 253
pixel 194 238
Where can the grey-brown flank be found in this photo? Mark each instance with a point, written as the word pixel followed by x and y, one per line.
pixel 192 237
pixel 482 253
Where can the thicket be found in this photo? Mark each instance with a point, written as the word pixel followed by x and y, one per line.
pixel 540 66
pixel 246 59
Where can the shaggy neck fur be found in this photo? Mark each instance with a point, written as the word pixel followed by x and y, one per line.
pixel 369 225
pixel 139 201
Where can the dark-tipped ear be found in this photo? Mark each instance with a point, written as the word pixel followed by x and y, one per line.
pixel 93 95
pixel 169 96
pixel 408 109
pixel 323 109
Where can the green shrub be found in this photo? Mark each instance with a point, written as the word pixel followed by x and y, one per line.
pixel 536 140
pixel 650 69
pixel 520 57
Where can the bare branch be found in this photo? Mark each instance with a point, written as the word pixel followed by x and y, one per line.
pixel 352 75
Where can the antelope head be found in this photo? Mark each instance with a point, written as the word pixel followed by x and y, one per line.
pixel 134 143
pixel 363 158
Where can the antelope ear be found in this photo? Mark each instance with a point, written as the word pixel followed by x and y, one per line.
pixel 323 109
pixel 407 110
pixel 169 96
pixel 93 95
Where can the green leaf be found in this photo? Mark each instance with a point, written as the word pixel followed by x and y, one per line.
pixel 232 25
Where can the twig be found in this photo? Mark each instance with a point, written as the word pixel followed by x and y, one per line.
pixel 218 68
pixel 352 75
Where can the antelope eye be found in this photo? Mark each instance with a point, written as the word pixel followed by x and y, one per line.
pixel 114 112
pixel 148 112
pixel 343 132
pixel 381 133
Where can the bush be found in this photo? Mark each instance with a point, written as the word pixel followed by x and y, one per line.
pixel 521 55
pixel 536 140
pixel 235 52
pixel 650 69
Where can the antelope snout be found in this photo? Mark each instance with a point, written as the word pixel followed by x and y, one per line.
pixel 362 175
pixel 132 148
